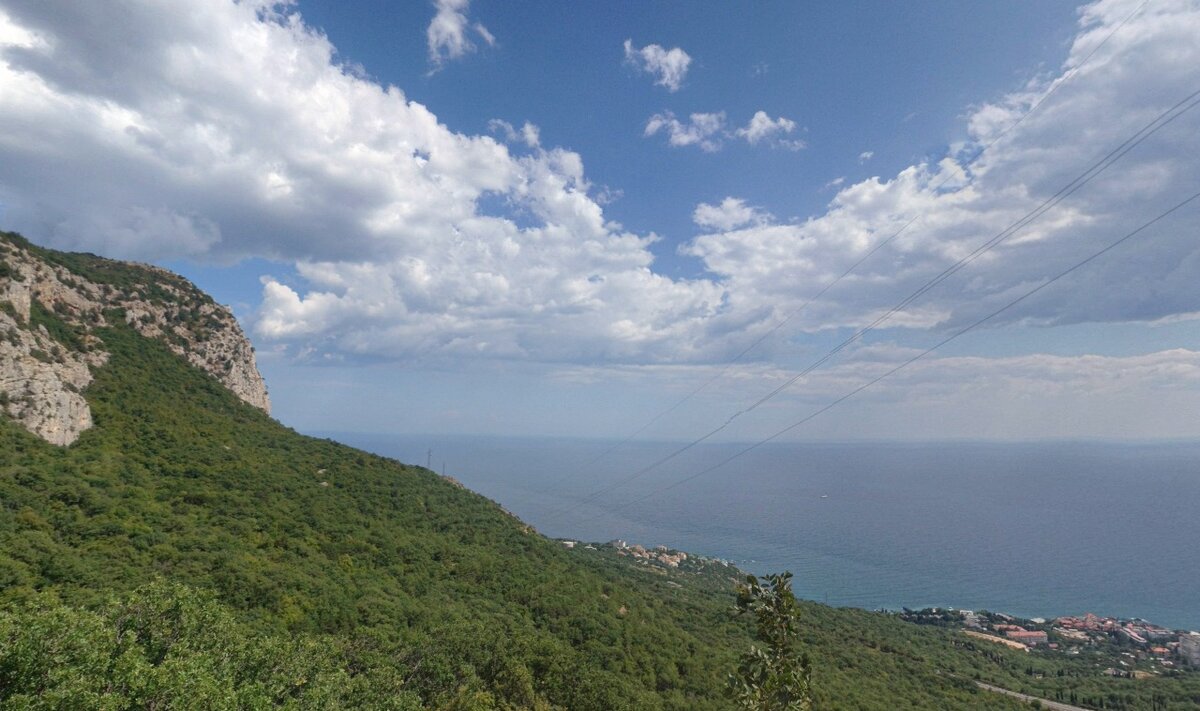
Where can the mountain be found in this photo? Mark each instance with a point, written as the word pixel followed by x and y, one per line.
pixel 55 303
pixel 165 543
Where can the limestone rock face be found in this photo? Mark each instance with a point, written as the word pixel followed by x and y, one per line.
pixel 41 382
pixel 217 346
pixel 43 375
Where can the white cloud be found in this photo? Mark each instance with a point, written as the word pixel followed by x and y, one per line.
pixel 228 130
pixel 865 156
pixel 448 34
pixel 764 128
pixel 669 66
pixel 529 134
pixel 488 38
pixel 708 131
pixel 703 130
pixel 1034 396
pixel 730 213
pixel 1140 72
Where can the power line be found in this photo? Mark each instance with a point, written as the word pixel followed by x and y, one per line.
pixel 795 312
pixel 1155 125
pixel 919 356
pixel 1145 132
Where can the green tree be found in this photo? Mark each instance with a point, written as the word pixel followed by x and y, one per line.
pixel 774 677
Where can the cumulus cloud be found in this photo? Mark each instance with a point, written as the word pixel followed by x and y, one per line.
pixel 449 33
pixel 228 130
pixel 669 66
pixel 223 130
pixel 730 213
pixel 708 131
pixel 703 130
pixel 1140 72
pixel 763 128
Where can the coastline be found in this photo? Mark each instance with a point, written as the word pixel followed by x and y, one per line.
pixel 1130 647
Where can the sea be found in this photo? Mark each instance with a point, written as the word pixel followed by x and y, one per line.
pixel 1032 529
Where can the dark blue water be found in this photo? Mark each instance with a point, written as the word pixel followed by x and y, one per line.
pixel 1030 529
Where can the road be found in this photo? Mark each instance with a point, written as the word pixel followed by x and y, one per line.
pixel 1046 703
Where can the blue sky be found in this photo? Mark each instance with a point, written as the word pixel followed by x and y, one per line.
pixel 559 219
pixel 880 77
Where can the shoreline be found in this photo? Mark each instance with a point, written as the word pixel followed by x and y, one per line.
pixel 1132 648
pixel 670 557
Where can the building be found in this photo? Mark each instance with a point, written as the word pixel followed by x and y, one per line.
pixel 1131 635
pixel 1073 635
pixel 1189 648
pixel 1088 622
pixel 1029 637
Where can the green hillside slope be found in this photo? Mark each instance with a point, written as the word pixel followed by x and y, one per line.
pixel 188 547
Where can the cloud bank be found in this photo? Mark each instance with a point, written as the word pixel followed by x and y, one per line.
pixel 220 131
pixel 1141 71
pixel 1025 397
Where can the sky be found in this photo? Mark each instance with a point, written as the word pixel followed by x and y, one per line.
pixel 566 219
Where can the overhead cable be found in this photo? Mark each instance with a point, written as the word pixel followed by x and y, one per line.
pixel 871 252
pixel 1158 123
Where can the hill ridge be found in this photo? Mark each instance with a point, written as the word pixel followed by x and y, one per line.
pixel 43 372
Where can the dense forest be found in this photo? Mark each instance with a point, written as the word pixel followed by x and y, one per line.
pixel 189 550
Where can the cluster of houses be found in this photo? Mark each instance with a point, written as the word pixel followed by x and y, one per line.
pixel 1135 639
pixel 1155 641
pixel 658 554
pixel 1017 633
pixel 1005 630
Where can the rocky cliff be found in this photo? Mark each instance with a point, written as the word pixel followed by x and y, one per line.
pixel 52 305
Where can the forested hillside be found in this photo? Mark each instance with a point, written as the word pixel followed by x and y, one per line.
pixel 188 547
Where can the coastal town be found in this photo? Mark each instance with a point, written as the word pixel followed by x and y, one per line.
pixel 662 560
pixel 1135 648
pixel 1110 646
pixel 656 556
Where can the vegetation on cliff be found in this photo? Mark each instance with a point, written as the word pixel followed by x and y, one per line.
pixel 190 547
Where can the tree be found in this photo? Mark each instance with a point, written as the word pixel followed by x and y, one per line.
pixel 774 677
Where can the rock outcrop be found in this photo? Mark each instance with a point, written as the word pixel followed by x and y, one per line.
pixel 43 374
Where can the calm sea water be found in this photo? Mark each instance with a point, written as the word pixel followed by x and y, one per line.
pixel 1031 529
